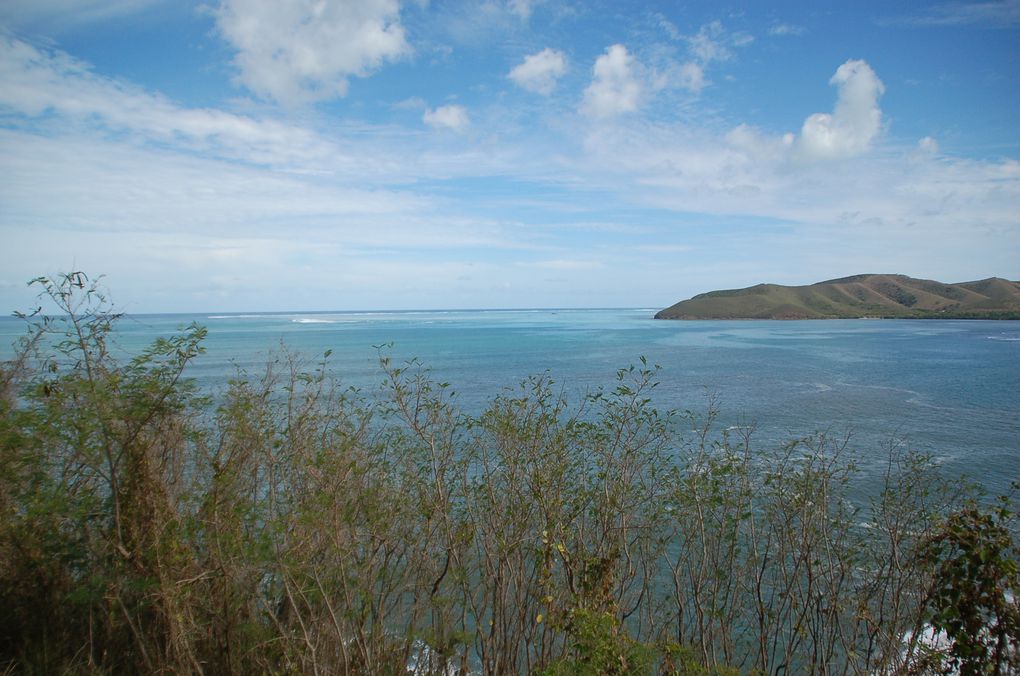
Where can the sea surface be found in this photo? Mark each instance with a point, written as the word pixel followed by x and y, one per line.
pixel 948 388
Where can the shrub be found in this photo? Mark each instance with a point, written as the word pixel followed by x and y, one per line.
pixel 294 526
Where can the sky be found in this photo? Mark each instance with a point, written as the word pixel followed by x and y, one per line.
pixel 270 155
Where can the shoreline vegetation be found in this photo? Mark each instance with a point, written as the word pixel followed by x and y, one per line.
pixel 291 525
pixel 857 297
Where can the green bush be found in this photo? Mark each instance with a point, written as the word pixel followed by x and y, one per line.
pixel 974 594
pixel 294 526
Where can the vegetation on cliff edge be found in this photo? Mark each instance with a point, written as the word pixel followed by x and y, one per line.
pixel 294 526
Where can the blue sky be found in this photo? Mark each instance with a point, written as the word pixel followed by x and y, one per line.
pixel 240 155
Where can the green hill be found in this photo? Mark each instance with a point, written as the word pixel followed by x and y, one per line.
pixel 879 296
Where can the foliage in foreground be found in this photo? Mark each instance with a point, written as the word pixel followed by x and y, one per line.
pixel 296 527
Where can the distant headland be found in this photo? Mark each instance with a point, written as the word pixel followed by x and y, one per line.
pixel 856 297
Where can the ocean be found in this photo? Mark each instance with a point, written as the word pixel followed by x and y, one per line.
pixel 947 388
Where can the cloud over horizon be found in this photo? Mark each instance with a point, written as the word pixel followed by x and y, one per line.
pixel 662 151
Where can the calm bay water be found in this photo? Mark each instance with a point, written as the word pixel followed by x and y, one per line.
pixel 949 388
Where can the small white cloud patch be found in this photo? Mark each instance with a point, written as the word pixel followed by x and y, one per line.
pixel 305 50
pixel 521 8
pixel 615 87
pixel 854 122
pixel 449 117
pixel 540 71
pixel 783 29
pixel 928 145
pixel 691 76
pixel 708 44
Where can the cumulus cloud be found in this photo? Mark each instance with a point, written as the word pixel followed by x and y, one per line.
pixel 449 117
pixel 894 196
pixel 854 122
pixel 616 86
pixel 540 71
pixel 928 145
pixel 306 50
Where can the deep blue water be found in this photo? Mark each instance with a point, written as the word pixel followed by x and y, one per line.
pixel 950 388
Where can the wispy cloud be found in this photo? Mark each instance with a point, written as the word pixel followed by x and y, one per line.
pixel 928 145
pixel 993 14
pixel 523 8
pixel 64 14
pixel 564 264
pixel 712 43
pixel 621 183
pixel 35 83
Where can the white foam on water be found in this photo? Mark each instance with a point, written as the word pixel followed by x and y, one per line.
pixel 242 316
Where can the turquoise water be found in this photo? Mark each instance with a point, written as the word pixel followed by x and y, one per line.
pixel 949 388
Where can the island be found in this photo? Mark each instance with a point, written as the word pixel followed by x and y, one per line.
pixel 878 296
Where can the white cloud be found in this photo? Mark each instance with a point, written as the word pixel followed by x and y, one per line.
pixel 522 8
pixel 616 86
pixel 668 26
pixel 305 50
pixel 707 46
pixel 563 264
pixel 710 44
pixel 160 219
pixel 110 185
pixel 854 122
pixel 66 13
pixel 412 103
pixel 539 72
pixel 714 43
pixel 690 76
pixel 992 13
pixel 126 181
pixel 35 81
pixel 783 29
pixel 928 145
pixel 450 117
pixel 926 207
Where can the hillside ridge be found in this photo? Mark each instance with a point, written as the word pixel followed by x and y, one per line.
pixel 884 296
